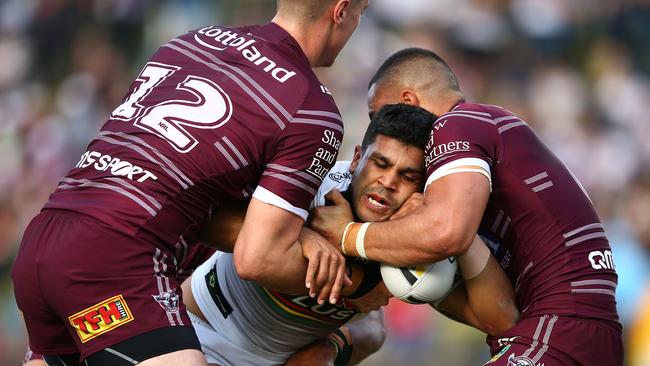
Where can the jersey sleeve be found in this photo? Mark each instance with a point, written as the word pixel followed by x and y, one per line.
pixel 461 142
pixel 306 151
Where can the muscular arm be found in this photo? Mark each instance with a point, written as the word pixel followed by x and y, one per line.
pixel 267 251
pixel 486 301
pixel 443 226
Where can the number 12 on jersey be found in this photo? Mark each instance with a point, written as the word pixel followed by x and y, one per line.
pixel 207 106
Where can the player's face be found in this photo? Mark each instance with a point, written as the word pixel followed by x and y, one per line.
pixel 350 21
pixel 384 177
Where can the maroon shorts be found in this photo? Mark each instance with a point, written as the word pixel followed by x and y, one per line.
pixel 83 287
pixel 552 340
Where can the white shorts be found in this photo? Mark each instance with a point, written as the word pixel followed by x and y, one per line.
pixel 221 342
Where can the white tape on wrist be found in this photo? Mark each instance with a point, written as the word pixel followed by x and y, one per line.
pixel 360 244
pixel 345 233
pixel 473 262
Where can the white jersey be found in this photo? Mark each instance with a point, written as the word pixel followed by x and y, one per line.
pixel 252 325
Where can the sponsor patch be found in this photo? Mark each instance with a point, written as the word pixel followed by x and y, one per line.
pixel 101 318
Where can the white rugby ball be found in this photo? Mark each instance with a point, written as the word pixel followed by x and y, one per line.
pixel 422 284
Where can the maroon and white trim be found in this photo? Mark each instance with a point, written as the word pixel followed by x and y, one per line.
pixel 545 328
pixel 81 183
pixel 603 287
pixel 539 182
pixel 595 230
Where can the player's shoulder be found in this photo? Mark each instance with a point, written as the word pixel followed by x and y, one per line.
pixel 339 178
pixel 476 112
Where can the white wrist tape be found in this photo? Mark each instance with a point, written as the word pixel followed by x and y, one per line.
pixel 360 244
pixel 474 260
pixel 345 233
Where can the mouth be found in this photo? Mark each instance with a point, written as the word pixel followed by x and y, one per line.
pixel 377 202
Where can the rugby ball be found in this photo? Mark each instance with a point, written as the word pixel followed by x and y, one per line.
pixel 422 284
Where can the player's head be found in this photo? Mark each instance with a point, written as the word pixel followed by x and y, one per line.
pixel 330 24
pixel 415 76
pixel 389 165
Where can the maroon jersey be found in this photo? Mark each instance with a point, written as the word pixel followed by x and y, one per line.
pixel 216 113
pixel 539 221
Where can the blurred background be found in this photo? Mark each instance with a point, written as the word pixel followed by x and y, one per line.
pixel 576 70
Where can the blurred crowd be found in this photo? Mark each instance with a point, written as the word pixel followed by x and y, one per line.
pixel 578 71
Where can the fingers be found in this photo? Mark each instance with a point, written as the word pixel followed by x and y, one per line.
pixel 312 270
pixel 336 197
pixel 331 278
pixel 339 282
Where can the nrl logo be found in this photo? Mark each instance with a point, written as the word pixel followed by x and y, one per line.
pixel 167 300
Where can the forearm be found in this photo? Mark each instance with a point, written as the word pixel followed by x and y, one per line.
pixel 443 226
pixel 492 299
pixel 456 307
pixel 416 239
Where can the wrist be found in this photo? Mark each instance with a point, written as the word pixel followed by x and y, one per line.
pixel 474 260
pixel 353 239
pixel 341 340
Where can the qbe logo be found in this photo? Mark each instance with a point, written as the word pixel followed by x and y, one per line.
pixel 602 260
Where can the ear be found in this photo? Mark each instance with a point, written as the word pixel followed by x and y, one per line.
pixel 340 11
pixel 355 159
pixel 409 97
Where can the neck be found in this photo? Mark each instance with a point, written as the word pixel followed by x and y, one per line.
pixel 310 36
pixel 444 104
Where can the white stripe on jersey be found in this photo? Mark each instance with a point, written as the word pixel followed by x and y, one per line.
pixel 122 191
pixel 139 150
pixel 318 122
pixel 155 151
pixel 235 150
pixel 271 198
pixel 584 238
pixel 227 155
pixel 505 128
pixel 596 225
pixel 299 173
pixel 132 187
pixel 290 180
pixel 594 282
pixel 320 113
pixel 464 114
pixel 545 341
pixel 232 76
pixel 158 274
pixel 460 166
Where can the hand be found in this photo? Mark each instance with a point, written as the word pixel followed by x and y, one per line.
pixel 412 203
pixel 318 353
pixel 330 221
pixel 373 300
pixel 326 271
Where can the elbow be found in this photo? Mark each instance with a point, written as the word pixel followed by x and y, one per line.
pixel 445 243
pixel 505 322
pixel 247 266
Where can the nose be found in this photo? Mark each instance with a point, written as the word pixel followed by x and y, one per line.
pixel 389 180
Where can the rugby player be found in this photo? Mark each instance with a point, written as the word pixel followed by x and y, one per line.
pixel 243 323
pixel 487 171
pixel 216 114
